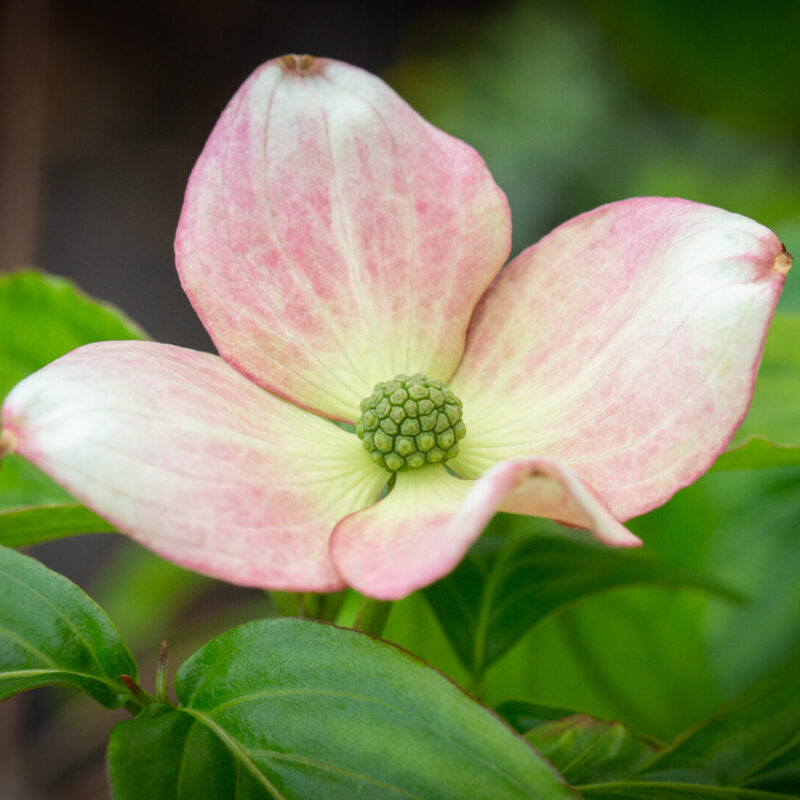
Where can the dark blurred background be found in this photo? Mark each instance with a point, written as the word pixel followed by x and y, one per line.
pixel 105 106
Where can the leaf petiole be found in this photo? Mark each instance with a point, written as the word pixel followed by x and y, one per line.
pixel 142 697
pixel 161 676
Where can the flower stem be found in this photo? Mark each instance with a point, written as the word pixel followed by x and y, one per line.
pixel 372 616
pixel 307 604
pixel 362 613
pixel 289 604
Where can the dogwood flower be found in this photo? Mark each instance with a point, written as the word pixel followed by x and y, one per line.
pixel 345 256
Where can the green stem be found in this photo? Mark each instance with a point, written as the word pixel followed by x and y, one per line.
pixel 288 603
pixel 372 616
pixel 133 707
pixel 138 694
pixel 307 604
pixel 161 676
pixel 310 604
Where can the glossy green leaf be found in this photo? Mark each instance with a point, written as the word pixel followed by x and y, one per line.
pixel 587 750
pixel 42 317
pixel 296 709
pixel 770 435
pixel 23 526
pixel 52 633
pixel 511 580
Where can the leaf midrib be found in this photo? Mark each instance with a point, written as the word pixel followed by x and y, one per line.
pixel 491 766
pixel 324 766
pixel 78 634
pixel 115 687
pixel 237 751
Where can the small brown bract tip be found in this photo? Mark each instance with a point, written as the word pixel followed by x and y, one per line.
pixel 782 262
pixel 302 64
pixel 131 684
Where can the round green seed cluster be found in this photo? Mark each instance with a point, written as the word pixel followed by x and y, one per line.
pixel 409 422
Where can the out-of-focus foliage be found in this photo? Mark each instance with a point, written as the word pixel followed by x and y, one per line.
pixel 728 60
pixel 746 750
pixel 576 104
pixel 22 485
pixel 137 587
pixel 566 104
pixel 590 751
pixel 754 744
pixel 24 526
pixel 658 659
pixel 770 435
pixel 42 317
pixel 513 579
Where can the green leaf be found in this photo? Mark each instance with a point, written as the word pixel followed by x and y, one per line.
pixel 42 317
pixel 770 435
pixel 168 754
pixel 635 655
pixel 24 526
pixel 413 626
pixel 587 750
pixel 756 548
pixel 23 485
pixel 523 716
pixel 508 583
pixel 749 751
pixel 290 708
pixel 659 659
pixel 740 746
pixel 674 791
pixel 781 773
pixel 758 452
pixel 52 633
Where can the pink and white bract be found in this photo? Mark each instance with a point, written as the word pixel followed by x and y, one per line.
pixel 331 238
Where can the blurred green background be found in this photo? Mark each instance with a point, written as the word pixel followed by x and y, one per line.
pixel 577 104
pixel 572 104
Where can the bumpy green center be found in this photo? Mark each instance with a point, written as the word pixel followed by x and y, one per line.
pixel 409 422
